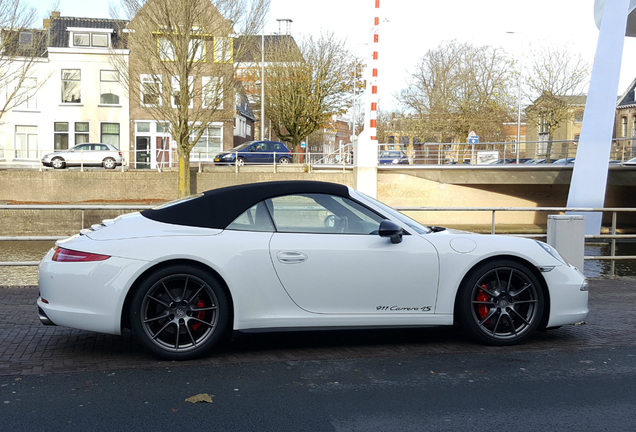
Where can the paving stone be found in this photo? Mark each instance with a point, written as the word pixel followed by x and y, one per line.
pixel 27 347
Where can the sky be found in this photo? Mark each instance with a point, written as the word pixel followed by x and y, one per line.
pixel 409 28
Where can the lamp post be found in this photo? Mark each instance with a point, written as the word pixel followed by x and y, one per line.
pixel 519 94
pixel 263 84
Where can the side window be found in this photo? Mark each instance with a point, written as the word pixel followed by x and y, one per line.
pixel 255 218
pixel 322 214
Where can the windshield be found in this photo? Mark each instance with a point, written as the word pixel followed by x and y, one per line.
pixel 394 214
pixel 392 154
pixel 241 147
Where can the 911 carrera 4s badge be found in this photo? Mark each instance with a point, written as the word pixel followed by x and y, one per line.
pixel 404 309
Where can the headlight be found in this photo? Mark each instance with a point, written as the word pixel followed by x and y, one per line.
pixel 552 251
pixel 395 161
pixel 227 156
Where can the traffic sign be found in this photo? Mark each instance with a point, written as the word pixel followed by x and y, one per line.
pixel 473 138
pixel 302 144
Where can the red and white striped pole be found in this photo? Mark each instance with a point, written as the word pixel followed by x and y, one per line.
pixel 372 98
pixel 366 150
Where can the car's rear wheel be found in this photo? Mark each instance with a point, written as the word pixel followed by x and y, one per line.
pixel 179 312
pixel 240 161
pixel 109 163
pixel 284 160
pixel 58 163
pixel 501 303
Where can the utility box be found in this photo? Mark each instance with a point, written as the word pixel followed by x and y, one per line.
pixel 566 233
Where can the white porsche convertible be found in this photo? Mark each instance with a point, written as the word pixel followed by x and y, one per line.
pixel 293 256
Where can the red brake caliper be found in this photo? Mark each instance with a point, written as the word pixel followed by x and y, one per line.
pixel 482 309
pixel 200 315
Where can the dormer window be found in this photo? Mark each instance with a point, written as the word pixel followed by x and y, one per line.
pixel 89 38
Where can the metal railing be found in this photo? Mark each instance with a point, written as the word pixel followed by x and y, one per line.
pixel 611 237
pixel 419 155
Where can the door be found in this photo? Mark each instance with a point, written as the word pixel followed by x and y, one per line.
pixel 330 259
pixel 163 152
pixel 142 152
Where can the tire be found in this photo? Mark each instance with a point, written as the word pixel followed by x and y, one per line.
pixel 240 161
pixel 179 312
pixel 284 160
pixel 58 163
pixel 109 163
pixel 500 303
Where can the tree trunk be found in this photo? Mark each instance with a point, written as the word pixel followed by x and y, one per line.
pixel 184 173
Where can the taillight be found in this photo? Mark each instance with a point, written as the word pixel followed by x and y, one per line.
pixel 67 255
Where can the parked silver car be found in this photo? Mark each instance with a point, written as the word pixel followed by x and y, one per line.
pixel 95 154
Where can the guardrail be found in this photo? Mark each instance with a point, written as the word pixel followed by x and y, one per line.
pixel 415 154
pixel 612 237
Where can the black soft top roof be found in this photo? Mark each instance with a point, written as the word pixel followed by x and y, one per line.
pixel 217 208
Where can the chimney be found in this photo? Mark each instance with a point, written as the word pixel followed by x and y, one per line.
pixel 55 14
pixel 46 23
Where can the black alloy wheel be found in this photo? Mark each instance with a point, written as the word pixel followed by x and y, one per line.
pixel 501 303
pixel 179 312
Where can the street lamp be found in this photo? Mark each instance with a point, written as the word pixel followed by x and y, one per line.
pixel 519 94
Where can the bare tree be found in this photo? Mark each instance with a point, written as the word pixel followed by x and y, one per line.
pixel 181 65
pixel 459 87
pixel 307 85
pixel 555 83
pixel 21 49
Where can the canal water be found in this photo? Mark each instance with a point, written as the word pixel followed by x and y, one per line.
pixel 34 250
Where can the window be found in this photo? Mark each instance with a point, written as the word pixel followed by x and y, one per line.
pixel 81 132
pixel 25 38
pixel 240 128
pixel 150 90
pixel 212 92
pixel 209 145
pixel 322 214
pixel 223 50
pixel 110 134
pixel 256 218
pixel 25 96
pixel 88 38
pixel 167 52
pixel 143 127
pixel 634 126
pixel 109 87
pixel 81 39
pixel 100 40
pixel 578 117
pixel 176 92
pixel 60 137
pixel 71 86
pixel 166 49
pixel 26 142
pixel 623 126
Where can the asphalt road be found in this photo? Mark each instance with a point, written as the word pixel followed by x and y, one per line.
pixel 576 378
pixel 586 390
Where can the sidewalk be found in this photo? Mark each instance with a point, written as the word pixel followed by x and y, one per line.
pixel 28 347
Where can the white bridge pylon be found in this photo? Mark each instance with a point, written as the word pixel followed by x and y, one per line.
pixel 589 177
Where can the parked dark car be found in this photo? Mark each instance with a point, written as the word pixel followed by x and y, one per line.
pixel 564 161
pixel 255 152
pixel 393 157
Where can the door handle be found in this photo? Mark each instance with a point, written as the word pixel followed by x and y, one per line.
pixel 290 257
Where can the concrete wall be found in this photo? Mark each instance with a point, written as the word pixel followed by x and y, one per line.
pixel 149 187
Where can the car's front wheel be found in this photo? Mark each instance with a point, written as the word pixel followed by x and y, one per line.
pixel 500 303
pixel 179 312
pixel 284 160
pixel 109 163
pixel 58 163
pixel 240 161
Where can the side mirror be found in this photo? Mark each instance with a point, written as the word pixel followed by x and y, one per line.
pixel 392 230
